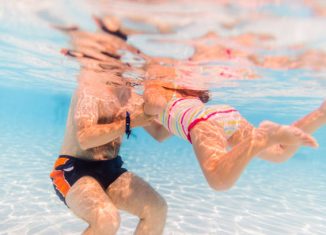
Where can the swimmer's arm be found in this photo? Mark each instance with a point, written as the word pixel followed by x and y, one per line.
pixel 99 134
pixel 90 134
pixel 158 131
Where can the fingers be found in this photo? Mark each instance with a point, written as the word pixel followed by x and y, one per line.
pixel 309 141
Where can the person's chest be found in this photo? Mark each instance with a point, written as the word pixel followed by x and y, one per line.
pixel 111 109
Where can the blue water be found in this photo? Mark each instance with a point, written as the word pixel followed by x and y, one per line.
pixel 36 84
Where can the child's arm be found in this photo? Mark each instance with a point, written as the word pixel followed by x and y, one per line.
pixel 154 99
pixel 158 131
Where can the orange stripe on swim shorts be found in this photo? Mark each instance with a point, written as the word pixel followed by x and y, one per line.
pixel 60 161
pixel 60 182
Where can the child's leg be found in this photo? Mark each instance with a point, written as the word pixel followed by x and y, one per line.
pixel 309 124
pixel 313 121
pixel 222 168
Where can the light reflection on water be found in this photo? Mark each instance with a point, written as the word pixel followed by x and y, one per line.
pixel 36 83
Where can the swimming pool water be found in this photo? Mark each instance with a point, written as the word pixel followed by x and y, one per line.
pixel 35 89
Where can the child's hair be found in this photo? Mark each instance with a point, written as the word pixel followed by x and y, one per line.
pixel 203 95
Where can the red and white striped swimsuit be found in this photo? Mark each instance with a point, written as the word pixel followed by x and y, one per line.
pixel 182 114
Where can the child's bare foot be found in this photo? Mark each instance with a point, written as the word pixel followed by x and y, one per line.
pixel 287 135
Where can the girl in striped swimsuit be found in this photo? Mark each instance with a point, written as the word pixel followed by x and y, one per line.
pixel 224 142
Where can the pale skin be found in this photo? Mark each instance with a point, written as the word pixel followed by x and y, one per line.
pixel 223 160
pixel 94 131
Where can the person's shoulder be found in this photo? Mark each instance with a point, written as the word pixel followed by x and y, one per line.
pixel 83 92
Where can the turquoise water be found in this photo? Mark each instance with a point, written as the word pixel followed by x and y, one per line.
pixel 36 83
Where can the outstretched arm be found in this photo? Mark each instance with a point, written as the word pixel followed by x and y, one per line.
pixel 90 134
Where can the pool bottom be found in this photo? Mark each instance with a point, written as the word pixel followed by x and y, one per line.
pixel 269 198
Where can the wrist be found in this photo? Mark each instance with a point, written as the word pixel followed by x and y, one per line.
pixel 128 125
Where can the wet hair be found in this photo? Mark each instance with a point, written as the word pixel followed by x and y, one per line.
pixel 203 95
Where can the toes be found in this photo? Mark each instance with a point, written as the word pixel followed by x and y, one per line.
pixel 311 142
pixel 307 139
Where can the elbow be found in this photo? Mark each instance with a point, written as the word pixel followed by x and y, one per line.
pixel 83 145
pixel 160 139
pixel 162 134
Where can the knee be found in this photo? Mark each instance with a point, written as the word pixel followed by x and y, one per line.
pixel 161 207
pixel 158 209
pixel 219 185
pixel 106 221
pixel 218 178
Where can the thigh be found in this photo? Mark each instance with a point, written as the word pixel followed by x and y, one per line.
pixel 132 194
pixel 86 197
pixel 244 130
pixel 209 143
